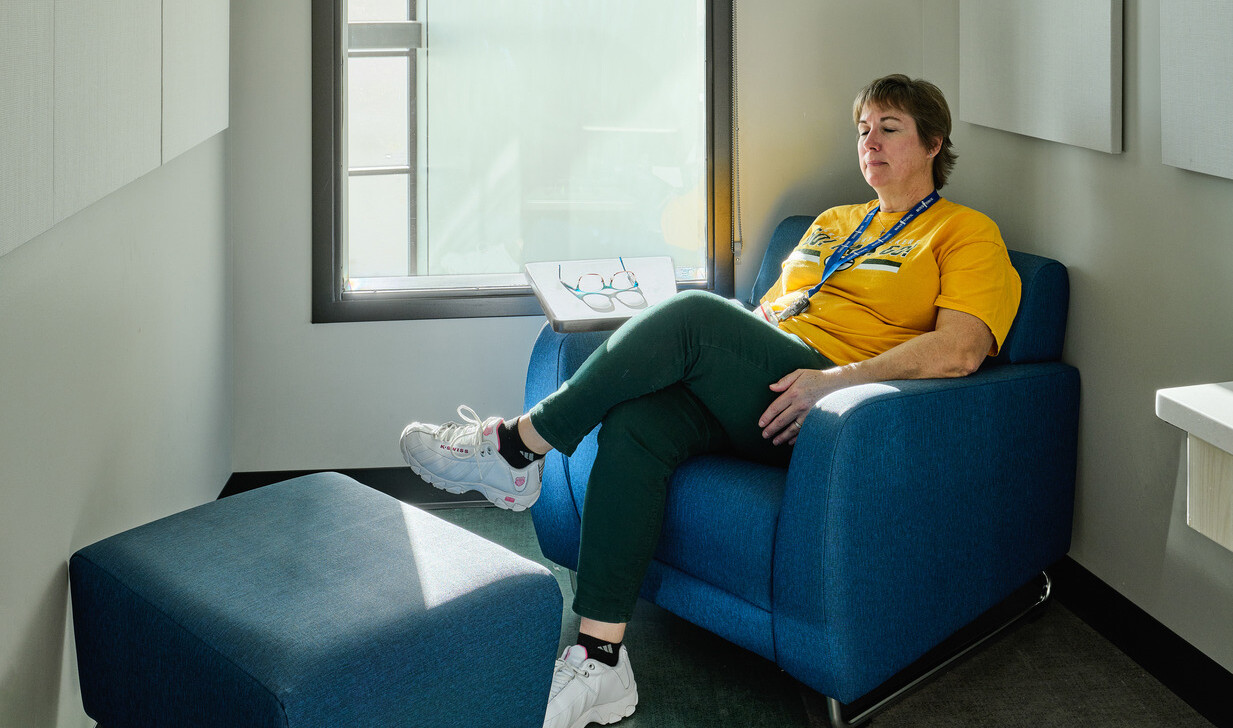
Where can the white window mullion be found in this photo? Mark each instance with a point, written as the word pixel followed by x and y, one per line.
pixel 401 36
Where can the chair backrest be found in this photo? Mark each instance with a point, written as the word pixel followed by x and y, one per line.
pixel 1040 326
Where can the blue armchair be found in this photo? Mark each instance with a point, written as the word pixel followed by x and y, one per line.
pixel 908 511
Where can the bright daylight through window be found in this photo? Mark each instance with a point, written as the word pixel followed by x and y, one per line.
pixel 457 140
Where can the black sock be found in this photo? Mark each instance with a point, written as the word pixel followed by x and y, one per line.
pixel 599 650
pixel 512 448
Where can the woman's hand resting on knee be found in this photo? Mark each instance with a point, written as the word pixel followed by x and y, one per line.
pixel 799 391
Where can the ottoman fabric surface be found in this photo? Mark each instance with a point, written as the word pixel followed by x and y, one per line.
pixel 313 602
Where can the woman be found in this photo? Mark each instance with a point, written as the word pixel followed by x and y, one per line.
pixel 906 286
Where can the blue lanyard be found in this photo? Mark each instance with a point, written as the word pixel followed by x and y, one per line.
pixel 845 254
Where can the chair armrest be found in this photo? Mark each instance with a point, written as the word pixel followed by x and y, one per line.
pixel 911 507
pixel 554 358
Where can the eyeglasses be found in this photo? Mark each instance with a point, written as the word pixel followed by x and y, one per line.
pixel 622 280
pixel 599 292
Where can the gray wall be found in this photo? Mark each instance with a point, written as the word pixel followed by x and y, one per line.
pixel 1150 251
pixel 115 401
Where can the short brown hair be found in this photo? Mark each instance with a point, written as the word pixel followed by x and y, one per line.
pixel 927 107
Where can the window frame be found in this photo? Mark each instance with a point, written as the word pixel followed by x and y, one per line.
pixel 331 304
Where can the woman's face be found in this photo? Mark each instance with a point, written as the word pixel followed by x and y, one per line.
pixel 892 156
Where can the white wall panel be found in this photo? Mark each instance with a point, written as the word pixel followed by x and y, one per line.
pixel 1048 68
pixel 25 120
pixel 195 70
pixel 1196 97
pixel 108 97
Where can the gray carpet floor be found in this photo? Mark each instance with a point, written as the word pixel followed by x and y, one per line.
pixel 1053 670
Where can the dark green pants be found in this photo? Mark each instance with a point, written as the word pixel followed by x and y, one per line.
pixel 688 376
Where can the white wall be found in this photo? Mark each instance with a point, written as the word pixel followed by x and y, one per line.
pixel 328 395
pixel 800 64
pixel 115 401
pixel 1151 266
pixel 338 395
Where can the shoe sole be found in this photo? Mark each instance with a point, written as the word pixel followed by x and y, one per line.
pixel 608 713
pixel 495 496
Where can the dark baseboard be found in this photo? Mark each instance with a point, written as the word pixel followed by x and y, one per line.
pixel 1188 673
pixel 400 483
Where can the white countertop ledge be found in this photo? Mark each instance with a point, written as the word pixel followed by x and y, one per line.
pixel 1203 410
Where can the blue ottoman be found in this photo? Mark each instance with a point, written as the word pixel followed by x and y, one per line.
pixel 313 602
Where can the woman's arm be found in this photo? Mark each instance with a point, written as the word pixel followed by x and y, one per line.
pixel 955 348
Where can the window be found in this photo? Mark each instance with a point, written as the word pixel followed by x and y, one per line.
pixel 456 140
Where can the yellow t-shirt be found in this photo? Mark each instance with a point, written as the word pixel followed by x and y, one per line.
pixel 950 257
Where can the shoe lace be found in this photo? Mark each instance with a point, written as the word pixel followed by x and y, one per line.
pixel 563 673
pixel 468 432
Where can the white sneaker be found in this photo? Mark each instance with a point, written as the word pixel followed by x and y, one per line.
pixel 588 691
pixel 461 457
